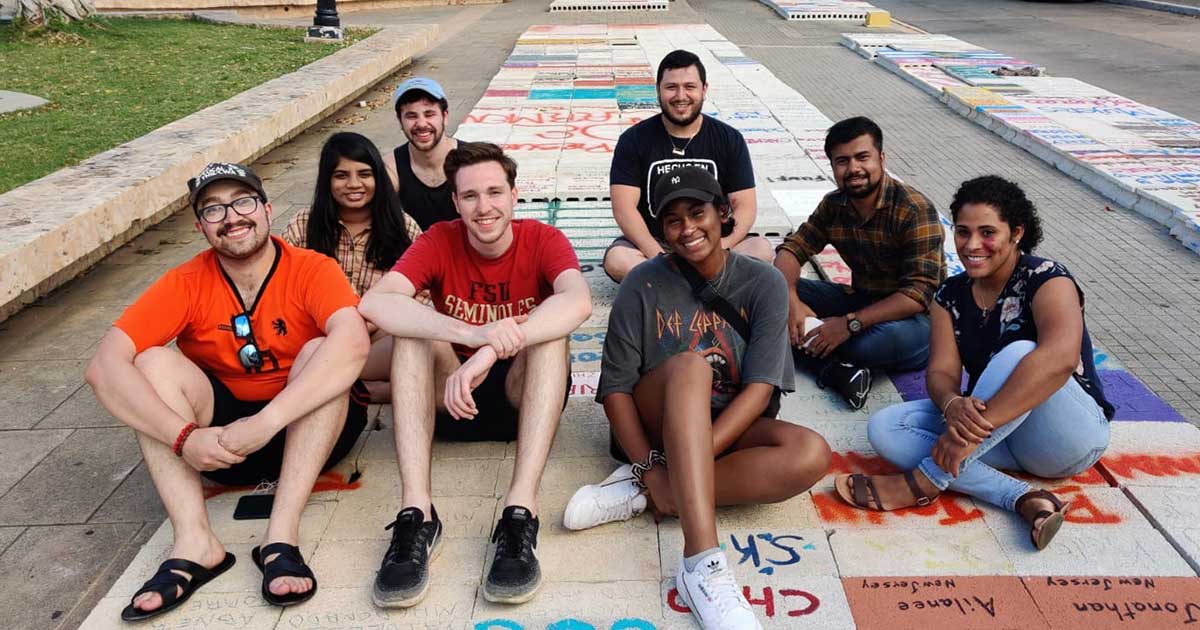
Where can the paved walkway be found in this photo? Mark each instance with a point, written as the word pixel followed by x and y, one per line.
pixel 76 506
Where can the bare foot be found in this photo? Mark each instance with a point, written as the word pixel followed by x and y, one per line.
pixel 206 553
pixel 286 585
pixel 1031 507
pixel 894 493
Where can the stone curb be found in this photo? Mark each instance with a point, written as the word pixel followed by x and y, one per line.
pixel 57 226
pixel 1154 5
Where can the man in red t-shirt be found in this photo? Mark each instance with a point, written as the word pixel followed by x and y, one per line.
pixel 269 346
pixel 488 362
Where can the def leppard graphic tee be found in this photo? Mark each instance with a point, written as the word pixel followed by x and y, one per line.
pixel 655 316
pixel 477 290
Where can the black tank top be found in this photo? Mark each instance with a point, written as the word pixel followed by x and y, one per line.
pixel 424 204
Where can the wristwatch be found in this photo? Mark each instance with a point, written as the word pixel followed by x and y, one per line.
pixel 854 324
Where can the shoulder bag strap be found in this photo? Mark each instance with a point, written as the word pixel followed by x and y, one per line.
pixel 708 295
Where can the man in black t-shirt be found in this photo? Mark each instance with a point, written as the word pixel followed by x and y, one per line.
pixel 416 166
pixel 681 136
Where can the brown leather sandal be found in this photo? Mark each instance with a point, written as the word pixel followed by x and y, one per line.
pixel 862 493
pixel 1054 520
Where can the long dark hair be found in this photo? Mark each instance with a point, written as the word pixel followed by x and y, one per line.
pixel 388 238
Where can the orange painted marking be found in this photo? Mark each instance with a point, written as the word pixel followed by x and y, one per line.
pixel 1133 465
pixel 951 509
pixel 328 482
pixel 851 462
pixel 1083 510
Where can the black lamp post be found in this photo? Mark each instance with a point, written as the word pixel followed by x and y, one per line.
pixel 326 25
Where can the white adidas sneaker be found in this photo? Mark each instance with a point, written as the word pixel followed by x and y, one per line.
pixel 617 498
pixel 713 594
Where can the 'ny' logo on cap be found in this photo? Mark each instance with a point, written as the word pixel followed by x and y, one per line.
pixel 675 180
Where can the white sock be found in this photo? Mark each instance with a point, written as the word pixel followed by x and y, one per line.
pixel 690 562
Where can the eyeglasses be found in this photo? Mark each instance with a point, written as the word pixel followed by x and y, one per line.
pixel 248 354
pixel 216 213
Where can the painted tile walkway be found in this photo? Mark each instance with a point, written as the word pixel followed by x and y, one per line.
pixel 1128 557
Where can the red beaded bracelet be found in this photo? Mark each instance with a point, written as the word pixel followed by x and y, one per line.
pixel 183 436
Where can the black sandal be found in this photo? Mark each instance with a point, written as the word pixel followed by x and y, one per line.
pixel 289 563
pixel 863 493
pixel 1054 520
pixel 167 583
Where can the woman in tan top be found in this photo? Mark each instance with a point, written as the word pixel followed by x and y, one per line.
pixel 356 219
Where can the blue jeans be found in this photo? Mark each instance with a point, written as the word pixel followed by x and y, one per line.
pixel 1061 437
pixel 899 345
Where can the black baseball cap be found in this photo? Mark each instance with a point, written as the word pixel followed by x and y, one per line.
pixel 218 171
pixel 688 182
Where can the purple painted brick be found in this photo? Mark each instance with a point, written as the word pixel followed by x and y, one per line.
pixel 1133 400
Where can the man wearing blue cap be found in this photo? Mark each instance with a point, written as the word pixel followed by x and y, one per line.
pixel 416 166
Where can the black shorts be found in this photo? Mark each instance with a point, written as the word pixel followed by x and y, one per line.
pixel 264 464
pixel 772 411
pixel 497 420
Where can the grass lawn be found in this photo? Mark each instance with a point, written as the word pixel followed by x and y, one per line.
pixel 114 79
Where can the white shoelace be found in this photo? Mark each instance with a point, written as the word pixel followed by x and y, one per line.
pixel 618 506
pixel 722 590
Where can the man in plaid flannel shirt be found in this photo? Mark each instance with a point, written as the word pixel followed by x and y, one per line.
pixel 889 235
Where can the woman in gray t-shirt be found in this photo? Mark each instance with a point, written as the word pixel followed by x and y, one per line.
pixel 692 402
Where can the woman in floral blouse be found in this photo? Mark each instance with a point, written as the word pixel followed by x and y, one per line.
pixel 1033 402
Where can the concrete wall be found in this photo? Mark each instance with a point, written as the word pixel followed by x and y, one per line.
pixel 267 8
pixel 55 227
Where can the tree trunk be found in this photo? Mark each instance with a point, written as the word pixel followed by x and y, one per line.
pixel 37 11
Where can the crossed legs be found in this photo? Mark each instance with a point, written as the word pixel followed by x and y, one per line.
pixel 771 461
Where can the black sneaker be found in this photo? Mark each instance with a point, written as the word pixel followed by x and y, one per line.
pixel 515 575
pixel 849 380
pixel 403 577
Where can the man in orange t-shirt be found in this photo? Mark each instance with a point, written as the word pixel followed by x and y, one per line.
pixel 270 345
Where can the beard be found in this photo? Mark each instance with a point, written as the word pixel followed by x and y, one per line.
pixel 242 248
pixel 688 119
pixel 866 191
pixel 437 138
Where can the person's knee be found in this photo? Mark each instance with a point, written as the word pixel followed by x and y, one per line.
pixel 1016 350
pixel 619 261
pixel 809 460
pixel 882 433
pixel 688 366
pixel 880 426
pixel 758 247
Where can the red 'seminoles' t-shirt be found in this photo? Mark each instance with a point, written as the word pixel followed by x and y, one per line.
pixel 477 290
pixel 195 303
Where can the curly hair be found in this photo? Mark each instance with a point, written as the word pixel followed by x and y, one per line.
pixel 1010 203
